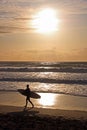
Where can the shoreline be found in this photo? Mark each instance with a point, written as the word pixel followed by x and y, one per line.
pixel 62 93
pixel 51 112
pixel 47 100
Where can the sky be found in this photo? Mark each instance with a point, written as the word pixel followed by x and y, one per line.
pixel 21 41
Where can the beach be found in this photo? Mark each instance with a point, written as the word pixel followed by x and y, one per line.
pixel 14 118
pixel 47 100
pixel 44 117
pixel 43 64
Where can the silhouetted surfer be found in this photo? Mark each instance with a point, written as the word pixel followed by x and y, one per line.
pixel 28 96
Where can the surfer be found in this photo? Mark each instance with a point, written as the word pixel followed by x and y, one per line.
pixel 28 96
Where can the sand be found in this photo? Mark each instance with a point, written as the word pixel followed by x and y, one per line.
pixel 14 118
pixel 48 100
pixel 4 109
pixel 59 114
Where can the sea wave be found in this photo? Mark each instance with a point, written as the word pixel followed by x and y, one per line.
pixel 45 64
pixel 45 80
pixel 58 77
pixel 44 69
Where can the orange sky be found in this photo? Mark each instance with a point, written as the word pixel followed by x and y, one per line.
pixel 20 42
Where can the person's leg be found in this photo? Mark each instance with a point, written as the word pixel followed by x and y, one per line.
pixel 31 102
pixel 26 103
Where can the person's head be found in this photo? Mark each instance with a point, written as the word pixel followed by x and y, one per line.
pixel 27 85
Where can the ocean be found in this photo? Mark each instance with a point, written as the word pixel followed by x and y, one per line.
pixel 50 77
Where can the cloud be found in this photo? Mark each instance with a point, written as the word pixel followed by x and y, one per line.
pixel 23 19
pixel 13 29
pixel 18 12
pixel 69 6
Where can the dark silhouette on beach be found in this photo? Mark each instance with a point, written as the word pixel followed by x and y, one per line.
pixel 27 90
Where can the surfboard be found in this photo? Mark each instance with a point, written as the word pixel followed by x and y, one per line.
pixel 32 94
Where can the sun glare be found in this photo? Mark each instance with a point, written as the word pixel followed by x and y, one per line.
pixel 45 21
pixel 47 99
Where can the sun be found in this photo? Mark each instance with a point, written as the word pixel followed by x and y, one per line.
pixel 45 21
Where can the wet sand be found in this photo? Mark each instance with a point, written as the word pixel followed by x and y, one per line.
pixel 45 116
pixel 48 100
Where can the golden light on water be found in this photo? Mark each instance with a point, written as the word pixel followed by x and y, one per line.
pixel 46 21
pixel 47 99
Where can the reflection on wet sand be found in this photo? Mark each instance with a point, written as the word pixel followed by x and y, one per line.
pixel 47 99
pixel 62 101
